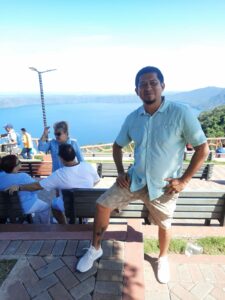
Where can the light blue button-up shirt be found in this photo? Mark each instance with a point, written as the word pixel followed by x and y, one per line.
pixel 53 147
pixel 160 141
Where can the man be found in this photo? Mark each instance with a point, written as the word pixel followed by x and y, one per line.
pixel 11 136
pixel 27 144
pixel 72 175
pixel 160 130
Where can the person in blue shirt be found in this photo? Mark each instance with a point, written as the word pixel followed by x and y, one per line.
pixel 160 130
pixel 30 203
pixel 61 132
pixel 221 149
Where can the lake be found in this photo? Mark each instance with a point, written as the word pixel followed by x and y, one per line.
pixel 89 122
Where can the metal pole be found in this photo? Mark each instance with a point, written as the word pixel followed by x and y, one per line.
pixel 42 99
pixel 42 92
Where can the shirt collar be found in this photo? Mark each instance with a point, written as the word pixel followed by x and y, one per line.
pixel 162 108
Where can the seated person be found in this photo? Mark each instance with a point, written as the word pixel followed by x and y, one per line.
pixel 73 174
pixel 221 149
pixel 30 203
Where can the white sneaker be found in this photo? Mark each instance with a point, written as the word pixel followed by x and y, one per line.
pixel 87 260
pixel 163 271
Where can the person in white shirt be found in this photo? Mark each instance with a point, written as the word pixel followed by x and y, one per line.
pixel 73 174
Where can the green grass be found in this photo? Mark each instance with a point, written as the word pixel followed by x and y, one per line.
pixel 5 267
pixel 211 245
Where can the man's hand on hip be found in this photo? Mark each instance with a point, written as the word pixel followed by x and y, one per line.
pixel 123 180
pixel 176 185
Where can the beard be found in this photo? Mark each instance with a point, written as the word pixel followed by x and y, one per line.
pixel 149 102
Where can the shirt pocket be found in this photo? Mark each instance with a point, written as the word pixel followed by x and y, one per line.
pixel 169 133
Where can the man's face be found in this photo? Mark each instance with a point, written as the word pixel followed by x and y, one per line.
pixel 61 136
pixel 149 88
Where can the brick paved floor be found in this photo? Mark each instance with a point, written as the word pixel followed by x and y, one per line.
pixel 46 270
pixel 196 277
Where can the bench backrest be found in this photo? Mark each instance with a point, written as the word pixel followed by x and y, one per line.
pixel 10 208
pixel 36 168
pixel 109 169
pixel 190 205
pixel 205 172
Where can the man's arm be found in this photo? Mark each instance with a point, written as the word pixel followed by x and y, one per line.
pixel 178 184
pixel 35 186
pixel 122 179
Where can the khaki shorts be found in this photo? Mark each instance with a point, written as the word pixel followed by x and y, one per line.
pixel 160 210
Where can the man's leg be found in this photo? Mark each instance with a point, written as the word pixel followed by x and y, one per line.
pixel 101 223
pixel 164 240
pixel 59 215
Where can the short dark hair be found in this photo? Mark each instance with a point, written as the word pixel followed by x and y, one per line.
pixel 149 69
pixel 8 163
pixel 23 129
pixel 62 125
pixel 66 152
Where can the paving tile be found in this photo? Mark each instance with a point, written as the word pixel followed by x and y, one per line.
pixel 50 268
pixel 218 293
pixel 85 288
pixel 201 289
pixel 47 247
pixel 207 272
pixel 43 296
pixel 83 276
pixel 3 245
pixel 184 273
pixel 17 292
pixel 71 247
pixel 35 248
pixel 107 247
pixel 158 295
pixel 107 287
pixel 23 248
pixel 58 292
pixel 195 273
pixel 36 262
pixel 107 264
pixel 82 247
pixel 209 297
pixel 70 261
pixel 99 296
pixel 12 247
pixel 118 250
pixel 27 275
pixel 59 247
pixel 172 297
pixel 219 273
pixel 42 285
pixel 182 293
pixel 86 297
pixel 109 275
pixel 67 277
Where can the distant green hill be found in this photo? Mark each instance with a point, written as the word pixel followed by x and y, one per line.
pixel 213 122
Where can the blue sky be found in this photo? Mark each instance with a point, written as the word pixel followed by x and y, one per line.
pixel 98 46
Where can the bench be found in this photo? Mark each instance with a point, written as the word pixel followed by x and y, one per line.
pixel 109 169
pixel 205 172
pixel 11 210
pixel 188 155
pixel 80 203
pixel 36 168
